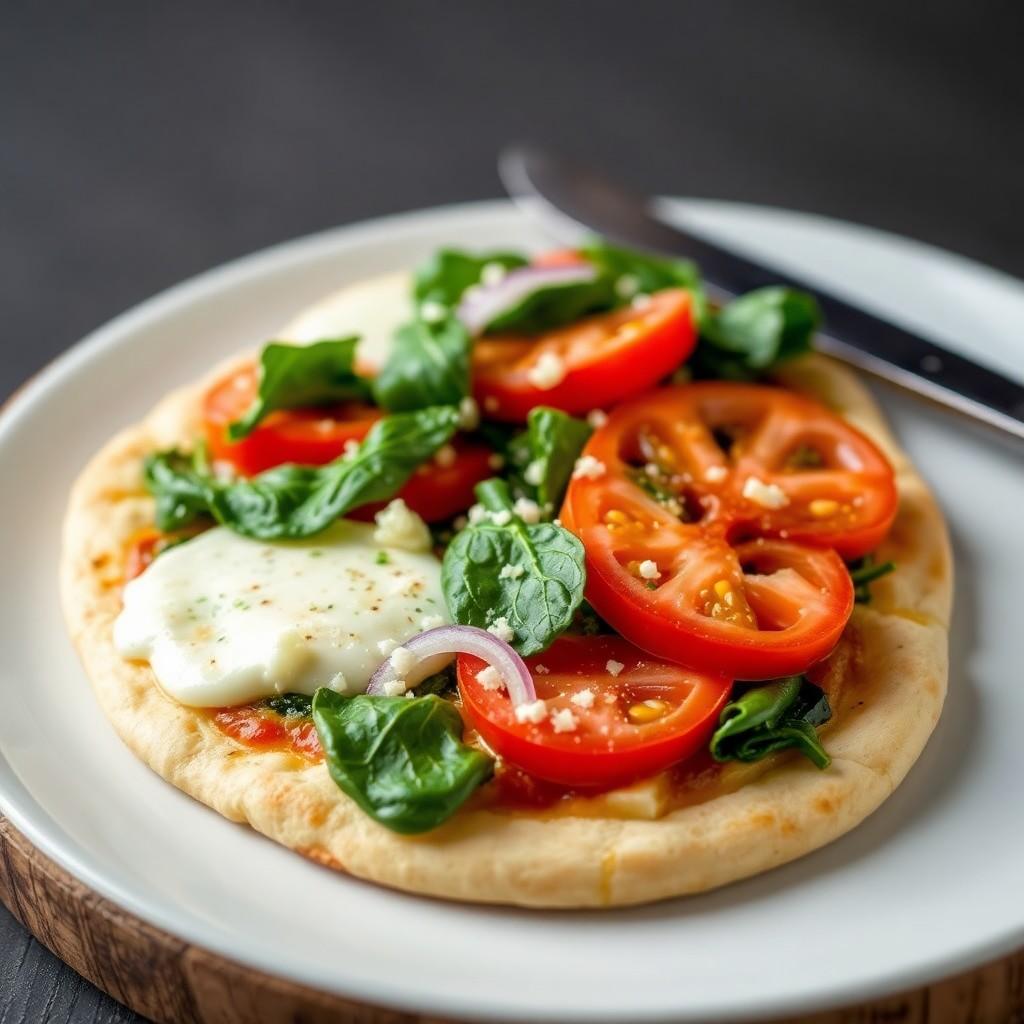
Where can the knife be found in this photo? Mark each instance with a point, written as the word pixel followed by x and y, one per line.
pixel 554 188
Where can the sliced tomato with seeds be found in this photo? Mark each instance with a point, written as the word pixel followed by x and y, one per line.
pixel 711 537
pixel 766 462
pixel 613 713
pixel 313 437
pixel 588 364
pixel 309 437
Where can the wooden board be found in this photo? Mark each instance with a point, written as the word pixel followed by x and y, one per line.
pixel 173 982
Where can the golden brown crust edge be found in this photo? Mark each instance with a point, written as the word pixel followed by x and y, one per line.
pixel 539 860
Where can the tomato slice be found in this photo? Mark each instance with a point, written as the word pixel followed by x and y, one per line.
pixel 589 364
pixel 712 535
pixel 638 719
pixel 314 437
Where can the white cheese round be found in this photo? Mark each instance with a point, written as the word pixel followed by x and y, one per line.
pixel 373 309
pixel 226 620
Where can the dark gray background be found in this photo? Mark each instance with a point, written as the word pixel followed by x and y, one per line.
pixel 144 142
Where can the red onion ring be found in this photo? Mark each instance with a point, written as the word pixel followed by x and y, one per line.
pixel 483 303
pixel 435 648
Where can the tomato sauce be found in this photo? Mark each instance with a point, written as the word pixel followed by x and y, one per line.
pixel 262 729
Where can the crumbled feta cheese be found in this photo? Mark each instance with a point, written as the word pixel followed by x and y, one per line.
pixel 469 414
pixel 432 312
pixel 765 495
pixel 613 667
pixel 445 456
pixel 511 572
pixel 541 670
pixel 491 404
pixel 431 621
pixel 534 712
pixel 394 688
pixel 502 630
pixel 583 698
pixel 386 647
pixel 492 274
pixel 490 678
pixel 338 682
pixel 495 461
pixel 563 721
pixel 527 510
pixel 502 517
pixel 557 522
pixel 534 473
pixel 403 661
pixel 626 286
pixel 225 473
pixel 351 448
pixel 587 467
pixel 715 474
pixel 597 418
pixel 641 301
pixel 652 470
pixel 399 527
pixel 547 372
pixel 649 570
pixel 477 514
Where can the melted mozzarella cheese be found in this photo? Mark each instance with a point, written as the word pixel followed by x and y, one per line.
pixel 226 620
pixel 373 309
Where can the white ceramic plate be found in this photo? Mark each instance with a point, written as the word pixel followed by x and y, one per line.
pixel 931 884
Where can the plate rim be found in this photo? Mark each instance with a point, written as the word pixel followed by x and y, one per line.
pixel 31 819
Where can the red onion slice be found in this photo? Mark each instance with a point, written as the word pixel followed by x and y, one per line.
pixel 435 648
pixel 483 303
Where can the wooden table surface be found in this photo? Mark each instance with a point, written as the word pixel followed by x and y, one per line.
pixel 143 143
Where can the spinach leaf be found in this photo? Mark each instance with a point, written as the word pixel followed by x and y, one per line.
pixel 401 760
pixel 754 332
pixel 546 453
pixel 290 705
pixel 772 717
pixel 439 683
pixel 864 571
pixel 634 273
pixel 302 375
pixel 555 305
pixel 179 482
pixel 482 583
pixel 449 272
pixel 428 365
pixel 297 501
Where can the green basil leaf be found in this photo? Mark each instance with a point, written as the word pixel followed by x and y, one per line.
pixel 863 572
pixel 401 760
pixel 449 272
pixel 428 365
pixel 298 501
pixel 538 604
pixel 771 717
pixel 635 273
pixel 294 376
pixel 755 332
pixel 546 453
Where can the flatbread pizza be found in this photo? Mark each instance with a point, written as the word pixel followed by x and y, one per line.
pixel 539 582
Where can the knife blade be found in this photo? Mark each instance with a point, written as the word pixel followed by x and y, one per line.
pixel 553 188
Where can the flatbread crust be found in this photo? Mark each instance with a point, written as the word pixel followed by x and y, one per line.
pixel 592 853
